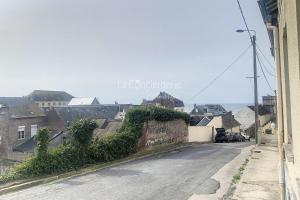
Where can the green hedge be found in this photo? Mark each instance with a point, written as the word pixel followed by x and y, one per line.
pixel 84 150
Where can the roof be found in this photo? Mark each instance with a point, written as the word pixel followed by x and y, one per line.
pixel 111 128
pixel 269 11
pixel 229 121
pixel 214 109
pixel 29 145
pixel 166 100
pixel 262 110
pixel 45 95
pixel 194 120
pixel 205 121
pixel 83 101
pixel 19 107
pixel 71 113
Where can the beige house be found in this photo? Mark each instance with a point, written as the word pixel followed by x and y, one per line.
pixel 226 121
pixel 282 18
pixel 48 99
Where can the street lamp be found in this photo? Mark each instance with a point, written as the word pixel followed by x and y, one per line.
pixel 253 41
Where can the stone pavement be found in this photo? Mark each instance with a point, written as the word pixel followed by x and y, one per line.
pixel 260 179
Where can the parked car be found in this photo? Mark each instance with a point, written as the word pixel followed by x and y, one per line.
pixel 246 137
pixel 221 136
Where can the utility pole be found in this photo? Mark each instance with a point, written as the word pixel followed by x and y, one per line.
pixel 255 88
pixel 253 41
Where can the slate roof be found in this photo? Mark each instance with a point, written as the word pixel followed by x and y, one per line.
pixel 166 100
pixel 205 121
pixel 45 95
pixel 262 110
pixel 194 120
pixel 83 101
pixel 29 145
pixel 229 121
pixel 214 109
pixel 19 107
pixel 71 113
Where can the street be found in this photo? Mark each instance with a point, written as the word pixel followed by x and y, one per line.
pixel 176 175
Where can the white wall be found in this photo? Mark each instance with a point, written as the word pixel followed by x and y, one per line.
pixel 200 134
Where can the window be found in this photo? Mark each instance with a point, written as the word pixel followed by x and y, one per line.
pixel 21 132
pixel 49 104
pixel 33 130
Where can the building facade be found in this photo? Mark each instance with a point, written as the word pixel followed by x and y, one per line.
pixel 167 101
pixel 20 119
pixel 282 19
pixel 48 99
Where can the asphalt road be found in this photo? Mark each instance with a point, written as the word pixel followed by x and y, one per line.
pixel 176 175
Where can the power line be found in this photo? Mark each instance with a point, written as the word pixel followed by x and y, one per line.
pixel 245 22
pixel 264 66
pixel 265 77
pixel 221 74
pixel 272 66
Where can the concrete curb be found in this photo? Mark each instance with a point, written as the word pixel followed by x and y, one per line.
pixel 224 175
pixel 88 170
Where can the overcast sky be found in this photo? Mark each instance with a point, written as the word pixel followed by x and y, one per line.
pixel 127 50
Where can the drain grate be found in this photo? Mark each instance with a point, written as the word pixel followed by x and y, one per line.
pixel 257 151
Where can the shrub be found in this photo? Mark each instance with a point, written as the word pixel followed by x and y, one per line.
pixel 83 150
pixel 42 140
pixel 81 132
pixel 113 147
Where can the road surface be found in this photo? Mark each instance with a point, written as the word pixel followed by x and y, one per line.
pixel 175 175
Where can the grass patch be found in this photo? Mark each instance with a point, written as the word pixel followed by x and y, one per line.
pixel 236 178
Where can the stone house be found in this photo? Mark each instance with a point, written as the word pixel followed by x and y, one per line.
pixel 19 120
pixel 47 99
pixel 167 101
pixel 282 19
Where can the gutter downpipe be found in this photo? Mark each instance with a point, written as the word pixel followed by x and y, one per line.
pixel 280 133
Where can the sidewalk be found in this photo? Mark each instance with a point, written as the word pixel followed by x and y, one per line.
pixel 260 178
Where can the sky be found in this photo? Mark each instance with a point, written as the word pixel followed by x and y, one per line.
pixel 131 50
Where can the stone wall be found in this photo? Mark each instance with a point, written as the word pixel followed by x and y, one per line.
pixel 157 133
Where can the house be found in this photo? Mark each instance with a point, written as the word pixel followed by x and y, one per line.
pixel 123 108
pixel 83 101
pixel 270 103
pixel 59 118
pixel 282 22
pixel 166 100
pixel 246 117
pixel 47 99
pixel 20 118
pixel 226 121
pixel 208 109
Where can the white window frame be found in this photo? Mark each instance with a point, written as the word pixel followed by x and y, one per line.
pixel 33 127
pixel 21 136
